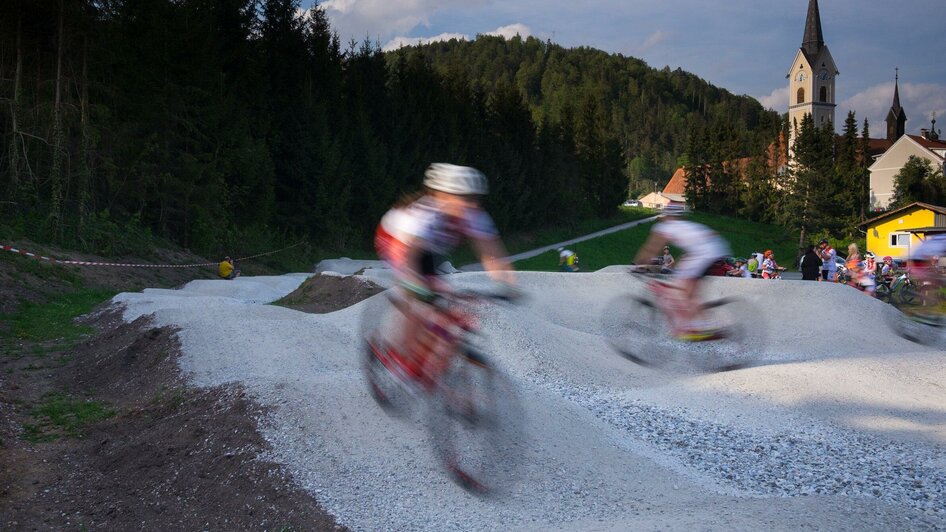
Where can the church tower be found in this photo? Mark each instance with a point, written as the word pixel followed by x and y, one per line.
pixel 896 118
pixel 811 78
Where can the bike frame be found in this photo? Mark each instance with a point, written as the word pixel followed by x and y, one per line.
pixel 663 294
pixel 450 325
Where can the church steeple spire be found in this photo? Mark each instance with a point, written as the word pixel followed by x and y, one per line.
pixel 896 118
pixel 813 41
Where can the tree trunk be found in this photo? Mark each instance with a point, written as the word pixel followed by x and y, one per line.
pixel 55 174
pixel 85 170
pixel 14 109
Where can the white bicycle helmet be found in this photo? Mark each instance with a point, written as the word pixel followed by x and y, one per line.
pixel 453 179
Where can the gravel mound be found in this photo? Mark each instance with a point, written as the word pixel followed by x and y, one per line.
pixel 826 434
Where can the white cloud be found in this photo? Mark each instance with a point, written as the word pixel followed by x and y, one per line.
pixel 777 100
pixel 382 19
pixel 510 31
pixel 506 32
pixel 342 6
pixel 919 101
pixel 654 39
pixel 398 42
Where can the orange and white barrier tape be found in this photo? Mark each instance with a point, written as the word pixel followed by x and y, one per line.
pixel 133 265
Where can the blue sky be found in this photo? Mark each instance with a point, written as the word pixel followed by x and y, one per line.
pixel 745 46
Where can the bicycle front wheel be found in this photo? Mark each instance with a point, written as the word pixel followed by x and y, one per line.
pixel 477 425
pixel 633 326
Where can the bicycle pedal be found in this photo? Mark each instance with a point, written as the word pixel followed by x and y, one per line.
pixel 701 336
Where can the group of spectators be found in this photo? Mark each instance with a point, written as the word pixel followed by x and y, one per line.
pixel 758 265
pixel 819 262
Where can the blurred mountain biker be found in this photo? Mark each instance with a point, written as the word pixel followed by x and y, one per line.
pixel 702 247
pixel 416 235
pixel 924 268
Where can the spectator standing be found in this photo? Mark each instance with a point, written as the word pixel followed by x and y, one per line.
pixel 829 268
pixel 853 253
pixel 810 265
pixel 753 264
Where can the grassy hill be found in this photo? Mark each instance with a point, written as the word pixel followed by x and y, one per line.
pixel 619 248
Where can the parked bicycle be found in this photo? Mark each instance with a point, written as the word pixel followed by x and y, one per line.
pixel 639 327
pixel 469 405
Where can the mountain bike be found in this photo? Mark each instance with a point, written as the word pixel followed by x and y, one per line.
pixel 640 326
pixel 922 309
pixel 470 407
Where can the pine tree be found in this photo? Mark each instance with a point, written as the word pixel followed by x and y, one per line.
pixel 848 172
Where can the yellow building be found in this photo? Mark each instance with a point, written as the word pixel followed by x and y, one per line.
pixel 897 232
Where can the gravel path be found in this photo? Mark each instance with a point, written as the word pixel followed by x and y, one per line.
pixel 831 434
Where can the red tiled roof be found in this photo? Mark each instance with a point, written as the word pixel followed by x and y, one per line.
pixel 678 182
pixel 929 144
pixel 878 146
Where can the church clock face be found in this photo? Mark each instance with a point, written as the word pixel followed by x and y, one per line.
pixel 824 75
pixel 801 77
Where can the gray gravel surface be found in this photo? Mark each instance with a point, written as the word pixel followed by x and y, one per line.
pixel 836 431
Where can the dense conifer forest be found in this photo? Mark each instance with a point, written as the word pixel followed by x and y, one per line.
pixel 210 122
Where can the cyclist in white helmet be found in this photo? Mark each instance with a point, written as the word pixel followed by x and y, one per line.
pixel 702 247
pixel 418 233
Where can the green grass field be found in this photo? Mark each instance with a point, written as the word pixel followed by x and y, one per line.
pixel 517 242
pixel 54 320
pixel 619 248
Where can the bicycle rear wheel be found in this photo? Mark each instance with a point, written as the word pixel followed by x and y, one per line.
pixel 637 330
pixel 477 425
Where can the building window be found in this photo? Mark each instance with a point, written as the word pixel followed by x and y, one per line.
pixel 824 94
pixel 899 240
pixel 801 95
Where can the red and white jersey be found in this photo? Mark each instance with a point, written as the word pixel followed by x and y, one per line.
pixel 424 225
pixel 696 240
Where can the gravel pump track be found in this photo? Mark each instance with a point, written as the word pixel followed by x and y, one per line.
pixel 477 426
pixel 638 330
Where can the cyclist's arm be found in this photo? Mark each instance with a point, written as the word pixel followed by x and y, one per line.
pixel 492 255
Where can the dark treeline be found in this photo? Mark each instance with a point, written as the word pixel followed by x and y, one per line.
pixel 216 122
